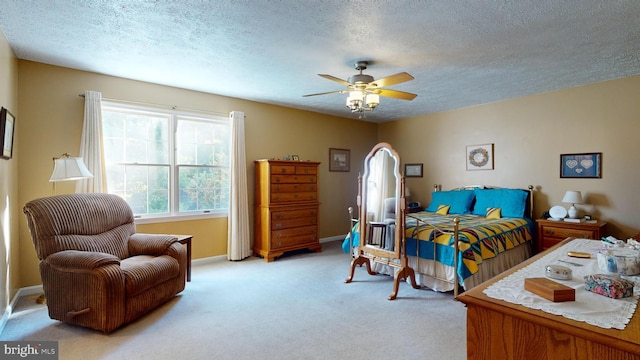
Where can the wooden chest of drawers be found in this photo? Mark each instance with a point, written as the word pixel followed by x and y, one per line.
pixel 286 207
pixel 553 232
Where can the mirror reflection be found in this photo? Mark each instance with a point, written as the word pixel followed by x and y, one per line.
pixel 380 195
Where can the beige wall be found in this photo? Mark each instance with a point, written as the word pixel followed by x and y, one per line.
pixel 51 119
pixel 529 134
pixel 9 207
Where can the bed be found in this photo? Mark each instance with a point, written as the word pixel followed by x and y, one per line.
pixel 493 227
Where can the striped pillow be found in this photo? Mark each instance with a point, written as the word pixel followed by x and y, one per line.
pixel 493 213
pixel 443 209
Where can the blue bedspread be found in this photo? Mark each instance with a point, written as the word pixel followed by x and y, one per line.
pixel 430 236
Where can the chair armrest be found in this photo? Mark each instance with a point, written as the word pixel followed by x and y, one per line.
pixel 150 244
pixel 80 260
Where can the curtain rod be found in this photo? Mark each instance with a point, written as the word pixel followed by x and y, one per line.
pixel 174 107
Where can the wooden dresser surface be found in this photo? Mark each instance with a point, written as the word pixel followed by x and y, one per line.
pixel 500 330
pixel 286 207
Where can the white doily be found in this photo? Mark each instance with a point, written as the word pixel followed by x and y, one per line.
pixel 589 307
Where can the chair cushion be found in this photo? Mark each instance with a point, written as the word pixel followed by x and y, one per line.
pixel 144 271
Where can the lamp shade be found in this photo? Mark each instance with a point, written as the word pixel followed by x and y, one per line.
pixel 68 168
pixel 373 100
pixel 572 197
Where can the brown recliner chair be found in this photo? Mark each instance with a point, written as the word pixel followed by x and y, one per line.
pixel 96 271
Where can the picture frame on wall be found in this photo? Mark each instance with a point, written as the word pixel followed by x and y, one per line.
pixel 479 157
pixel 7 128
pixel 413 170
pixel 582 165
pixel 339 159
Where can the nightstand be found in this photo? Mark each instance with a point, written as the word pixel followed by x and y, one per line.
pixel 552 232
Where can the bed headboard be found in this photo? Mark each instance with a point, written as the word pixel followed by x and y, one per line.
pixel 529 204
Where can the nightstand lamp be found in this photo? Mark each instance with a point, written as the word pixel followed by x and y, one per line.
pixel 572 197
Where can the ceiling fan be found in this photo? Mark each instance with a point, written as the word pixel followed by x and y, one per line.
pixel 364 91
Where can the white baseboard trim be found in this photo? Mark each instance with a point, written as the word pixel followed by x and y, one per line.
pixel 25 291
pixel 212 259
pixel 332 238
pixel 208 260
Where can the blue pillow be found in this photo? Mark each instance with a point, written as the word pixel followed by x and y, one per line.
pixel 459 200
pixel 511 201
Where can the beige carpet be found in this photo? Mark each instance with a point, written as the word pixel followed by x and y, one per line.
pixel 297 307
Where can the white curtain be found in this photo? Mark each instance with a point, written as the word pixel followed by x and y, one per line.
pixel 239 240
pixel 378 187
pixel 91 144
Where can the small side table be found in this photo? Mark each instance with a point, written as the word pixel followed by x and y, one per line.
pixel 186 240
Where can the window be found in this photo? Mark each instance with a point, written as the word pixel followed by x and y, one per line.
pixel 166 163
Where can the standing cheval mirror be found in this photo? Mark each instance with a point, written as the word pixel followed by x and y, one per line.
pixel 381 216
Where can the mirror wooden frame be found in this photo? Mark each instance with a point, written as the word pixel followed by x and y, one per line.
pixel 365 253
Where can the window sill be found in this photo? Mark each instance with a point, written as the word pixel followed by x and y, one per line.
pixel 177 218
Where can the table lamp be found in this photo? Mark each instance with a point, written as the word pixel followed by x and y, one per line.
pixel 572 197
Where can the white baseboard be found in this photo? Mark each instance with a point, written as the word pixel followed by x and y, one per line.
pixel 26 291
pixel 212 259
pixel 208 260
pixel 333 238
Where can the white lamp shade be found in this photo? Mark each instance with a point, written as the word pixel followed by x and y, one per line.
pixel 355 96
pixel 69 168
pixel 373 100
pixel 572 197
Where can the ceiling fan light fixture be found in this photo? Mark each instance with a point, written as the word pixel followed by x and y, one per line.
pixel 373 100
pixel 355 95
pixel 364 91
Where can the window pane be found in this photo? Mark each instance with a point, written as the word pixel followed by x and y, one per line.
pixel 135 137
pixel 140 166
pixel 147 139
pixel 147 189
pixel 203 188
pixel 115 178
pixel 202 142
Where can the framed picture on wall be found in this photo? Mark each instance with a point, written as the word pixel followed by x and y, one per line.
pixel 413 170
pixel 584 165
pixel 339 159
pixel 7 126
pixel 480 157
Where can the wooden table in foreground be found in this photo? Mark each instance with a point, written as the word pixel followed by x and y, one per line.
pixel 497 329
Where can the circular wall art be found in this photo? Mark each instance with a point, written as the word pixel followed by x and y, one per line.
pixel 480 157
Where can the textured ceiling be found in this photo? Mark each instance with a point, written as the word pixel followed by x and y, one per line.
pixel 461 53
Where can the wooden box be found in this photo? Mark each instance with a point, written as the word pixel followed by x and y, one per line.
pixel 550 289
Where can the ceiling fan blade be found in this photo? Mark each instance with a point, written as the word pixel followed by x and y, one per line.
pixel 395 94
pixel 325 93
pixel 333 78
pixel 392 80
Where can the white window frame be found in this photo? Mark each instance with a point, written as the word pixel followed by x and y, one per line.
pixel 174 213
